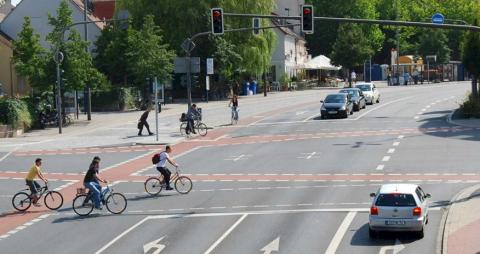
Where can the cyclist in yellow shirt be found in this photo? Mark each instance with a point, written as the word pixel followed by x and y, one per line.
pixel 30 179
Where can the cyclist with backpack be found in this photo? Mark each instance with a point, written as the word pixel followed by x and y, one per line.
pixel 160 160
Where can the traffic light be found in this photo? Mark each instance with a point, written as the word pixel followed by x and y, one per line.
pixel 256 25
pixel 307 19
pixel 217 21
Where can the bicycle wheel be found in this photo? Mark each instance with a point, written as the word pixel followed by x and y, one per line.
pixel 21 201
pixel 53 200
pixel 202 129
pixel 183 185
pixel 116 203
pixel 183 129
pixel 83 205
pixel 153 185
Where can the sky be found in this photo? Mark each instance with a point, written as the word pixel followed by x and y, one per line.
pixel 15 2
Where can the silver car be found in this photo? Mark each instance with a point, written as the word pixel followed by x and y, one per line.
pixel 372 95
pixel 398 207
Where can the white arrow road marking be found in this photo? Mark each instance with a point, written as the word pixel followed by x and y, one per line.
pixel 154 247
pixel 237 158
pixel 395 248
pixel 337 238
pixel 271 247
pixel 301 113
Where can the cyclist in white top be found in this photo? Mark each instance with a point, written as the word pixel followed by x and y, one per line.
pixel 162 166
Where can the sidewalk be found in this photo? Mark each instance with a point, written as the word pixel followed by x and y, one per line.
pixel 120 128
pixel 461 232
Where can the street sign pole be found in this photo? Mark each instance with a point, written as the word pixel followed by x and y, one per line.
pixel 156 108
pixel 207 85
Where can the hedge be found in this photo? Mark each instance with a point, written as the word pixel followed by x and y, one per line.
pixel 16 112
pixel 471 107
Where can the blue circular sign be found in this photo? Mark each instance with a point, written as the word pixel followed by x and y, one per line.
pixel 438 18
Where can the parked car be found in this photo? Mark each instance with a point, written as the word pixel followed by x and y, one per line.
pixel 357 98
pixel 336 105
pixel 398 207
pixel 372 95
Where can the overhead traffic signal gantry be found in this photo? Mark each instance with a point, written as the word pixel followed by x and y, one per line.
pixel 217 21
pixel 307 19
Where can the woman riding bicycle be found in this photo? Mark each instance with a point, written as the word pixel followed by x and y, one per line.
pixel 234 104
pixel 91 182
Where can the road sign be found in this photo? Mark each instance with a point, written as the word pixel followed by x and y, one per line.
pixel 438 18
pixel 209 66
pixel 181 65
pixel 207 83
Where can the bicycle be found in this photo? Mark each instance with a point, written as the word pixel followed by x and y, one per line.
pixel 83 204
pixel 199 127
pixel 234 117
pixel 53 199
pixel 155 184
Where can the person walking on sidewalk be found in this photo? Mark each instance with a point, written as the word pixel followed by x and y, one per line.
pixel 234 104
pixel 143 122
pixel 162 166
pixel 35 171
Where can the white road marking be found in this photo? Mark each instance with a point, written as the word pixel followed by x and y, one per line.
pixel 121 235
pixel 380 167
pixel 400 137
pixel 386 158
pixel 332 248
pixel 396 143
pixel 271 247
pixel 396 248
pixel 391 150
pixel 216 243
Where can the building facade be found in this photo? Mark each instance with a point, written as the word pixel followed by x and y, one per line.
pixel 290 54
pixel 9 85
pixel 38 11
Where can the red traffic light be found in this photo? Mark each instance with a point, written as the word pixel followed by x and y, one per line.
pixel 307 11
pixel 217 14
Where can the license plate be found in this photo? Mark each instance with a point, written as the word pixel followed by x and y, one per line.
pixel 394 222
pixel 332 112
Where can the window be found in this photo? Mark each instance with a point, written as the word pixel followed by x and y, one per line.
pixel 395 199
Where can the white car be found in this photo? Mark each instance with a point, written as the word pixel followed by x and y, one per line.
pixel 398 207
pixel 372 95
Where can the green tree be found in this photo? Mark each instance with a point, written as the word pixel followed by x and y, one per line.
pixel 434 42
pixel 148 56
pixel 78 64
pixel 471 58
pixel 29 56
pixel 351 48
pixel 110 57
pixel 326 33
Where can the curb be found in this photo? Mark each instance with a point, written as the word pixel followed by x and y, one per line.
pixel 442 242
pixel 451 121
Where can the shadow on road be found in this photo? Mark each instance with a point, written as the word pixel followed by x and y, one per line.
pixel 361 238
pixel 447 130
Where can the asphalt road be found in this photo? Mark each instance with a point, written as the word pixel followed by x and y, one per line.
pixel 279 182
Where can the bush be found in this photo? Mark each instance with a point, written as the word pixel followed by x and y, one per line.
pixel 471 107
pixel 16 112
pixel 114 99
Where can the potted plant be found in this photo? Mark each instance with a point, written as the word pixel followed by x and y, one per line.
pixel 284 81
